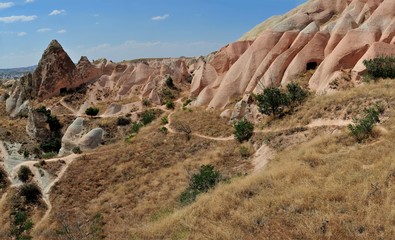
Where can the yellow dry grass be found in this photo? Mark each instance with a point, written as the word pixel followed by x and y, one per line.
pixel 329 187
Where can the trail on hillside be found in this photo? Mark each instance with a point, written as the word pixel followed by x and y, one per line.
pixel 44 180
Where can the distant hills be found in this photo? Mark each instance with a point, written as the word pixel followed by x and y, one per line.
pixel 13 73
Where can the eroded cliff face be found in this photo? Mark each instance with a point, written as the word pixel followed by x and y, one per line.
pixel 328 35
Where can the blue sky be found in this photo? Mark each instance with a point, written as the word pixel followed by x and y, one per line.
pixel 127 29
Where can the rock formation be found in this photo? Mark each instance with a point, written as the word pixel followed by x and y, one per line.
pixel 324 35
pixel 75 137
pixel 329 37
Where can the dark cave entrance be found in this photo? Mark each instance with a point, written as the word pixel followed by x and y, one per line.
pixel 311 66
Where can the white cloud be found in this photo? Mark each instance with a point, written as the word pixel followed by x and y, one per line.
pixel 160 18
pixel 21 18
pixel 41 30
pixel 61 31
pixel 6 5
pixel 29 1
pixel 57 12
pixel 21 34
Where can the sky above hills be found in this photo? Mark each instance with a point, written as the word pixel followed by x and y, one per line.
pixel 127 29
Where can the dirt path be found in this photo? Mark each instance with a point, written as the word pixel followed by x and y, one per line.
pixel 68 160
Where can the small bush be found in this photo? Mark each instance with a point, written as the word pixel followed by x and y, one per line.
pixel 170 105
pixel 381 67
pixel 31 192
pixel 296 94
pixel 136 127
pixel 24 174
pixel 123 121
pixel 164 130
pixel 362 127
pixel 91 111
pixel 147 117
pixel 146 102
pixel 164 120
pixel 48 155
pixel 245 151
pixel 20 225
pixel 186 103
pixel 76 150
pixel 243 130
pixel 206 179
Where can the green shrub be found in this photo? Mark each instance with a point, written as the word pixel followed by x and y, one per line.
pixel 164 120
pixel 243 130
pixel 53 122
pixel 91 111
pixel 206 179
pixel 186 103
pixel 272 101
pixel 381 67
pixel 136 127
pixel 48 155
pixel 147 117
pixel 20 225
pixel 123 121
pixel 169 83
pixel 146 102
pixel 52 144
pixel 31 192
pixel 76 150
pixel 24 174
pixel 164 130
pixel 362 127
pixel 296 94
pixel 170 105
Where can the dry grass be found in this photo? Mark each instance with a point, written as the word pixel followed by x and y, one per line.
pixel 139 182
pixel 340 105
pixel 205 122
pixel 328 187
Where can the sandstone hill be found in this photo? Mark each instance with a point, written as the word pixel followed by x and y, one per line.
pixel 131 171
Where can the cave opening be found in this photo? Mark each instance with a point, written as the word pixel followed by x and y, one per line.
pixel 311 66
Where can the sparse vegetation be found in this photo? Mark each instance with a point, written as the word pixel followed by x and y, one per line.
pixel 76 150
pixel 164 120
pixel 362 127
pixel 92 111
pixel 147 117
pixel 381 67
pixel 243 130
pixel 21 224
pixel 146 102
pixel 296 94
pixel 3 178
pixel 170 105
pixel 200 182
pixel 31 192
pixel 246 150
pixel 272 101
pixel 169 83
pixel 24 174
pixel 123 121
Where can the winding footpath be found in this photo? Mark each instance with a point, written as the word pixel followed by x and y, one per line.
pixel 45 181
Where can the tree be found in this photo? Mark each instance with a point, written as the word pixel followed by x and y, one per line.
pixel 91 111
pixel 296 93
pixel 243 130
pixel 31 192
pixel 272 101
